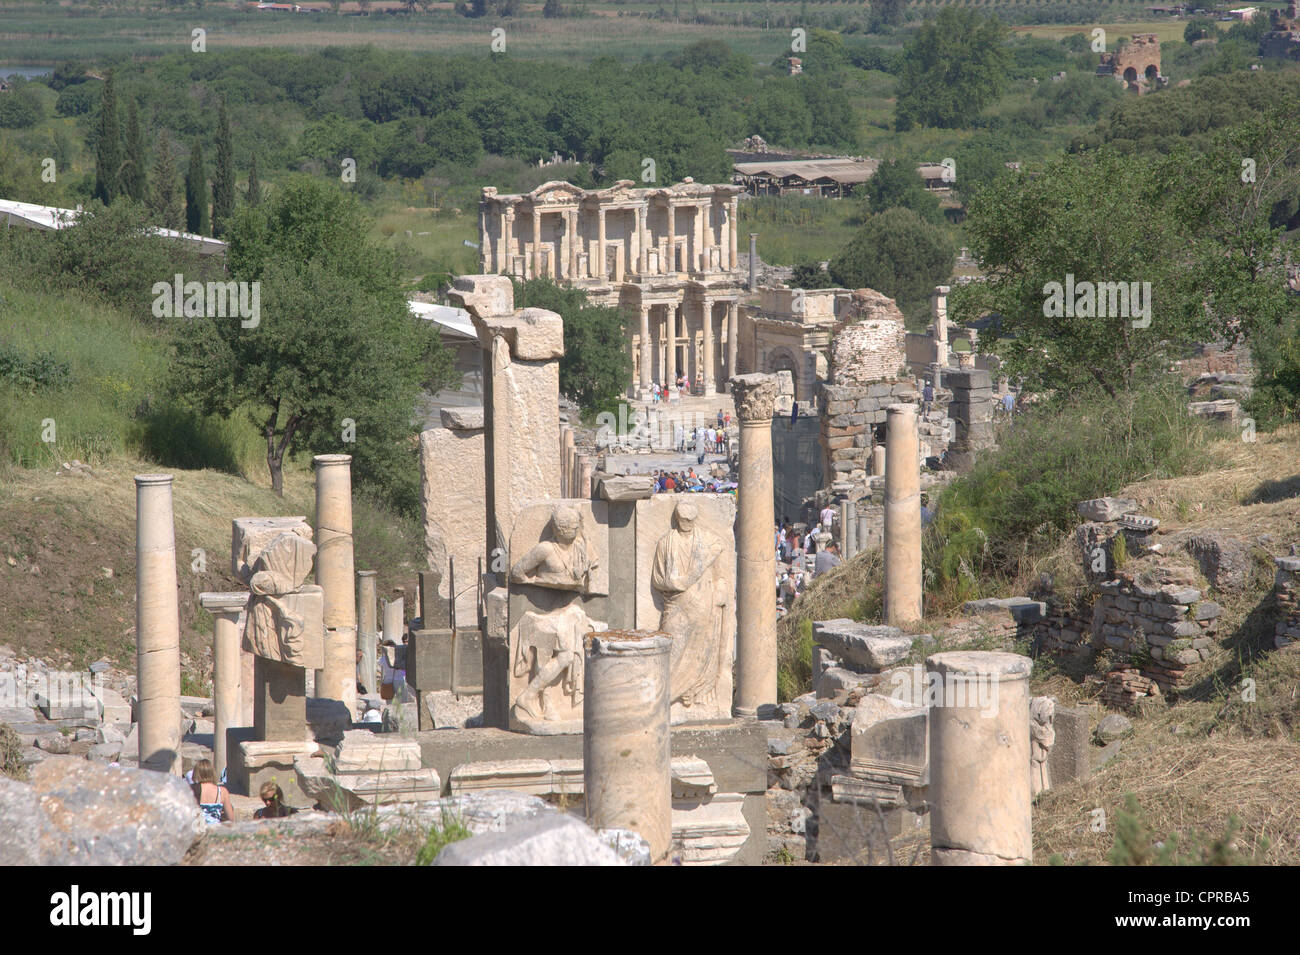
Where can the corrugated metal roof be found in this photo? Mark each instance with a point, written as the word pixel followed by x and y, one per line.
pixel 51 218
pixel 836 170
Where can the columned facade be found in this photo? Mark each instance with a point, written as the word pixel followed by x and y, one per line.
pixel 666 256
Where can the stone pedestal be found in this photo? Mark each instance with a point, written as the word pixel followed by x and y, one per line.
pixel 979 758
pixel 755 398
pixel 902 518
pixel 627 764
pixel 368 629
pixel 279 700
pixel 157 626
pixel 226 668
pixel 335 574
pixel 454 500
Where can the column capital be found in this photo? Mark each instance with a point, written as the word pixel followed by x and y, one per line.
pixel 228 602
pixel 755 396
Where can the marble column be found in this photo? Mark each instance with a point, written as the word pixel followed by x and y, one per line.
pixel 394 620
pixel 641 250
pixel 537 243
pixel 753 261
pixel 706 324
pixel 626 743
pixel 902 517
pixel 602 269
pixel 707 210
pixel 507 241
pixel 733 336
pixel 226 668
pixel 336 574
pixel 672 239
pixel 734 251
pixel 247 670
pixel 157 626
pixel 849 529
pixel 585 470
pixel 647 356
pixel 566 461
pixel 878 461
pixel 368 627
pixel 755 398
pixel 670 341
pixel 980 799
pixel 572 223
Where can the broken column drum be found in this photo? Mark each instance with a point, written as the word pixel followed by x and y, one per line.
pixel 157 626
pixel 755 398
pixel 368 628
pixel 626 748
pixel 336 575
pixel 979 758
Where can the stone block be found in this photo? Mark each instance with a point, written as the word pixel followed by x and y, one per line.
pixel 484 296
pixel 1069 758
pixel 874 647
pixel 362 751
pixel 625 487
pixel 549 840
pixel 462 419
pixel 890 740
pixel 1104 509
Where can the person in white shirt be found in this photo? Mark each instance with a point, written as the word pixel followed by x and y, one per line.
pixel 827 516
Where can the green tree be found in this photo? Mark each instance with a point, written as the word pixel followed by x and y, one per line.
pixel 335 341
pixel 596 369
pixel 20 108
pixel 899 254
pixel 133 168
pixel 108 152
pixel 897 185
pixel 166 198
pixel 953 67
pixel 1199 28
pixel 196 193
pixel 809 275
pixel 253 194
pixel 1048 243
pixel 223 181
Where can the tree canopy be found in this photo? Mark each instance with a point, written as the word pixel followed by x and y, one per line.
pixel 898 254
pixel 953 66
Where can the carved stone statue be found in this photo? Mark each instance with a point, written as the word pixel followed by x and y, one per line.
pixel 549 653
pixel 564 563
pixel 1042 735
pixel 277 627
pixel 686 574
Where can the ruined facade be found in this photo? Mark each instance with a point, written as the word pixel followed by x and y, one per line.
pixel 791 330
pixel 1137 64
pixel 1283 39
pixel 666 256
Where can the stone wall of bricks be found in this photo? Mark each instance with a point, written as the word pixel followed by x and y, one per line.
pixel 1166 629
pixel 1286 591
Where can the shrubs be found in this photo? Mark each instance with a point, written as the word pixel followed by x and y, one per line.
pixel 1019 498
pixel 42 370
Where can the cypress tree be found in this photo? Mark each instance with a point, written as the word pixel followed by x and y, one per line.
pixel 254 194
pixel 196 193
pixel 108 153
pixel 133 170
pixel 166 200
pixel 223 181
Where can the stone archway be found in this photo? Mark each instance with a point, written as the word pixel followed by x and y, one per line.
pixel 783 359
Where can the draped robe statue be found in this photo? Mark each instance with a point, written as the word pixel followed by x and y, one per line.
pixel 274 630
pixel 688 579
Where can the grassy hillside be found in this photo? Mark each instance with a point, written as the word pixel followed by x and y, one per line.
pixel 67 535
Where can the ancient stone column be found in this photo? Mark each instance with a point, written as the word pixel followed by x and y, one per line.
pixel 672 238
pixel 566 461
pixel 902 517
pixel 755 398
pixel 368 627
pixel 626 748
pixel 157 626
pixel 734 216
pixel 733 335
pixel 706 320
pixel 336 574
pixel 753 261
pixel 878 461
pixel 706 210
pixel 602 270
pixel 979 756
pixel 850 529
pixel 226 667
pixel 537 243
pixel 247 686
pixel 670 341
pixel 573 243
pixel 394 620
pixel 585 469
pixel 640 241
pixel 646 369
